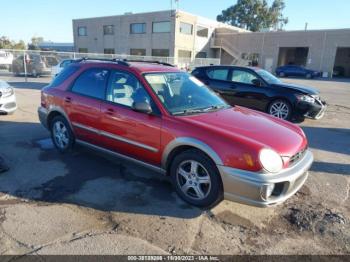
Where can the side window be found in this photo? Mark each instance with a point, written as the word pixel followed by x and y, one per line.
pixel 63 75
pixel 244 77
pixel 92 83
pixel 124 89
pixel 218 74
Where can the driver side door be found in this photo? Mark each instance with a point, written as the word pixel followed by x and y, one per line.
pixel 124 130
pixel 247 93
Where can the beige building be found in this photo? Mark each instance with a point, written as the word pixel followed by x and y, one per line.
pixel 162 34
pixel 185 37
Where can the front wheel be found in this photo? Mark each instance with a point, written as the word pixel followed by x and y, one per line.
pixel 281 109
pixel 61 134
pixel 282 74
pixel 196 179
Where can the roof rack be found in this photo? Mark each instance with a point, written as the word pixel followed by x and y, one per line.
pixel 122 61
pixel 149 62
pixel 114 60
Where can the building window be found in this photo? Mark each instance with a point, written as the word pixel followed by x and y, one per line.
pixel 108 29
pixel 186 29
pixel 138 28
pixel 139 52
pixel 83 50
pixel 202 31
pixel 201 55
pixel 82 31
pixel 160 52
pixel 109 51
pixel 184 54
pixel 161 27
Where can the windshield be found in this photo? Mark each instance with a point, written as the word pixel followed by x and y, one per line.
pixel 183 94
pixel 268 77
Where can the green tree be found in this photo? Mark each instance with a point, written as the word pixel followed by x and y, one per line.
pixel 6 43
pixel 255 15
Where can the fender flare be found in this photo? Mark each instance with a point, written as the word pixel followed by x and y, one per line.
pixel 193 142
pixel 59 110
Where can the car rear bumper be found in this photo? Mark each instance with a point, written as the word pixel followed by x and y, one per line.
pixel 250 188
pixel 8 104
pixel 43 113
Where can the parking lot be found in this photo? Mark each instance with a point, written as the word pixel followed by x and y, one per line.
pixel 88 203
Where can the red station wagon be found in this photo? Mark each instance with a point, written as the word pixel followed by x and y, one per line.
pixel 165 119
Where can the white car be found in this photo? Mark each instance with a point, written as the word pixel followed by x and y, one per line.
pixel 6 59
pixel 55 70
pixel 8 103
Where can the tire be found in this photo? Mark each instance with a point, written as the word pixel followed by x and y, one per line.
pixel 62 138
pixel 282 74
pixel 308 76
pixel 280 108
pixel 201 186
pixel 35 73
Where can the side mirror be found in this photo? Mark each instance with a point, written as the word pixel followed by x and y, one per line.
pixel 142 107
pixel 257 82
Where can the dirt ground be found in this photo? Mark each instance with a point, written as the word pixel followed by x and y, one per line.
pixel 88 203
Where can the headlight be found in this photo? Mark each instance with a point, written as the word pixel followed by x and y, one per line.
pixel 306 98
pixel 270 160
pixel 7 92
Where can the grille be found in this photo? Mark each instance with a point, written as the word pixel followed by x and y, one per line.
pixel 295 158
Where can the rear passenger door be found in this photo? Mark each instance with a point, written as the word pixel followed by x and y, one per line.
pixel 83 103
pixel 247 94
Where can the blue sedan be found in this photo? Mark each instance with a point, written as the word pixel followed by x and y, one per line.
pixel 294 70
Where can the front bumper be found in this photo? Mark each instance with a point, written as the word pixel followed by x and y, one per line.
pixel 312 110
pixel 248 187
pixel 8 104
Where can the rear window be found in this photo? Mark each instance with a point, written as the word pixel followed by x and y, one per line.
pixel 63 75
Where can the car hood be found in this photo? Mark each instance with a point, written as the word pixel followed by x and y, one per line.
pixel 244 125
pixel 300 88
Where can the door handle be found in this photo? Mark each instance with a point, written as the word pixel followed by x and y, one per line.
pixel 67 99
pixel 110 111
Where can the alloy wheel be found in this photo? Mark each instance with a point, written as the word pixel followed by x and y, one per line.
pixel 279 109
pixel 60 134
pixel 193 180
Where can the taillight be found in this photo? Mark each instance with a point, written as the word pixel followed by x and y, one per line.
pixel 43 100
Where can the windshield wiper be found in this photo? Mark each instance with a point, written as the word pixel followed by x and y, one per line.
pixel 201 110
pixel 188 112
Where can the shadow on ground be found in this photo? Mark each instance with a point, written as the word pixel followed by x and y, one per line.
pixel 28 85
pixel 331 168
pixel 86 178
pixel 335 140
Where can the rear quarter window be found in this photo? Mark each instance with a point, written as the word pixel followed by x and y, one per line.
pixel 63 75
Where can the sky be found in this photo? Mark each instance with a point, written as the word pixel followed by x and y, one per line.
pixel 52 19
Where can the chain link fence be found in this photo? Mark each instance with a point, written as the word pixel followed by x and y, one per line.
pixel 47 63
